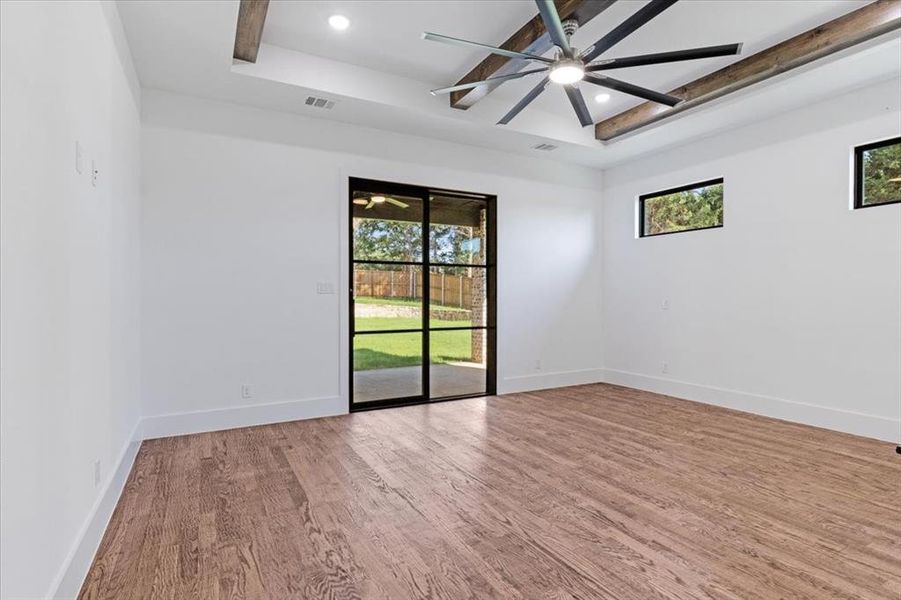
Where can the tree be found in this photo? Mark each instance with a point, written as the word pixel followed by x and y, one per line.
pixel 882 174
pixel 454 244
pixel 692 209
pixel 376 239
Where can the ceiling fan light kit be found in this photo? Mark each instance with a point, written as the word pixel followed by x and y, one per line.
pixel 569 68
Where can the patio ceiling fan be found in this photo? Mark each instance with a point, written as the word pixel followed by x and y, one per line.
pixel 378 199
pixel 569 66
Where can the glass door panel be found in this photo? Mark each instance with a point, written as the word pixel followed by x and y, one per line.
pixel 387 366
pixel 411 247
pixel 386 227
pixel 387 297
pixel 458 362
pixel 458 297
pixel 457 230
pixel 387 248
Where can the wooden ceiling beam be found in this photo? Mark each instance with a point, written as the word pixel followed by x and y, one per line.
pixel 531 38
pixel 856 27
pixel 249 32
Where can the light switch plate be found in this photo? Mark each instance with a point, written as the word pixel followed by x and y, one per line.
pixel 325 287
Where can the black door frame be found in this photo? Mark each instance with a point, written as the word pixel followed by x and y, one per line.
pixel 356 184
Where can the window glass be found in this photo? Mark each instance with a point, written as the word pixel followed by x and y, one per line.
pixel 697 206
pixel 878 173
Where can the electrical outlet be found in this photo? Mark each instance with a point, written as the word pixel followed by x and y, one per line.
pixel 96 473
pixel 94 173
pixel 665 367
pixel 246 391
pixel 537 365
pixel 665 304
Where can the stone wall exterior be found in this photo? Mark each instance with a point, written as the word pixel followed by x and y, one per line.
pixel 410 312
pixel 479 306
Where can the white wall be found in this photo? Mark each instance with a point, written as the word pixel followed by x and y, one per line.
pixel 115 308
pixel 244 210
pixel 793 309
pixel 69 366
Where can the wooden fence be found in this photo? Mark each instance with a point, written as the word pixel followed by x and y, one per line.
pixel 449 290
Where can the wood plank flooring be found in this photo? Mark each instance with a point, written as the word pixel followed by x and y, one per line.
pixel 592 491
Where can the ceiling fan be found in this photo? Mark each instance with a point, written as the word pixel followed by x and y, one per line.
pixel 377 199
pixel 569 66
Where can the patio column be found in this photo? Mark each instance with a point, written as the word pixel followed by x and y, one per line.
pixel 478 296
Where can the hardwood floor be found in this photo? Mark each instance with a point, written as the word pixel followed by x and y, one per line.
pixel 585 492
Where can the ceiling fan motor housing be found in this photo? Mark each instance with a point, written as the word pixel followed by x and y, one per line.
pixel 570 26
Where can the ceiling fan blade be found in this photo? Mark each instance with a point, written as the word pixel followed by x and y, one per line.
pixel 631 89
pixel 370 205
pixel 499 79
pixel 397 203
pixel 626 28
pixel 435 37
pixel 666 57
pixel 578 102
pixel 551 19
pixel 527 99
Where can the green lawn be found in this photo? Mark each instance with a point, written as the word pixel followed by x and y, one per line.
pixel 384 351
pixel 390 323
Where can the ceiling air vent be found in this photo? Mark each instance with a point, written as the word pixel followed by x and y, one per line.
pixel 319 102
pixel 544 147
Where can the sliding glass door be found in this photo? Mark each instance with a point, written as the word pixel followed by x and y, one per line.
pixel 422 294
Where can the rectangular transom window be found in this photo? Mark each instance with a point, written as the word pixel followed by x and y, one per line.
pixel 686 208
pixel 877 173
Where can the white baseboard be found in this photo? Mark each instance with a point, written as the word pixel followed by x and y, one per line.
pixel 75 567
pixel 872 426
pixel 241 416
pixel 544 381
pixel 70 577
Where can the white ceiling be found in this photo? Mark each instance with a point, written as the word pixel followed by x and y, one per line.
pixel 380 69
pixel 386 36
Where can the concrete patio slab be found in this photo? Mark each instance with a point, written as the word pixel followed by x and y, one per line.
pixel 451 379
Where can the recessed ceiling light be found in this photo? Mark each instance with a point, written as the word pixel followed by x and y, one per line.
pixel 339 22
pixel 601 98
